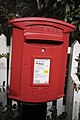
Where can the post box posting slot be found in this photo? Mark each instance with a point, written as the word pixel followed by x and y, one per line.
pixel 50 42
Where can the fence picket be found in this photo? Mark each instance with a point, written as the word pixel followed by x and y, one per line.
pixel 3 69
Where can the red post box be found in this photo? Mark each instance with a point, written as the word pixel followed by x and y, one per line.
pixel 39 55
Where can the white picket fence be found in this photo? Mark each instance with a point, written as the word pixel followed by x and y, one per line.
pixel 73 95
pixel 72 104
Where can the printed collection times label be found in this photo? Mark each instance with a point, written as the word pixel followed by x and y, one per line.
pixel 41 71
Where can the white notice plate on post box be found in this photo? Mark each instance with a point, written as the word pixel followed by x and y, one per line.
pixel 41 71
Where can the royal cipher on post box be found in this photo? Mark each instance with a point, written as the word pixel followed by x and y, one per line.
pixel 39 55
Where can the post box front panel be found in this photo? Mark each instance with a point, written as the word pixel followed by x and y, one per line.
pixel 42 69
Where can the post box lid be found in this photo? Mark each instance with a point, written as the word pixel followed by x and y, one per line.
pixel 22 22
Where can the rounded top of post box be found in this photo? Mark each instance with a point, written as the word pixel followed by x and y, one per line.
pixel 42 19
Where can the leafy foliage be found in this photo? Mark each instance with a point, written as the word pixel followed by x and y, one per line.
pixel 2 87
pixel 9 112
pixel 54 115
pixel 78 68
pixel 66 10
pixel 13 112
pixel 4 55
pixel 7 11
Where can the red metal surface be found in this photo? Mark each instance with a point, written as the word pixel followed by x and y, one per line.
pixel 42 40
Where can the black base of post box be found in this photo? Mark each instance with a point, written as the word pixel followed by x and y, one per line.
pixel 34 111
